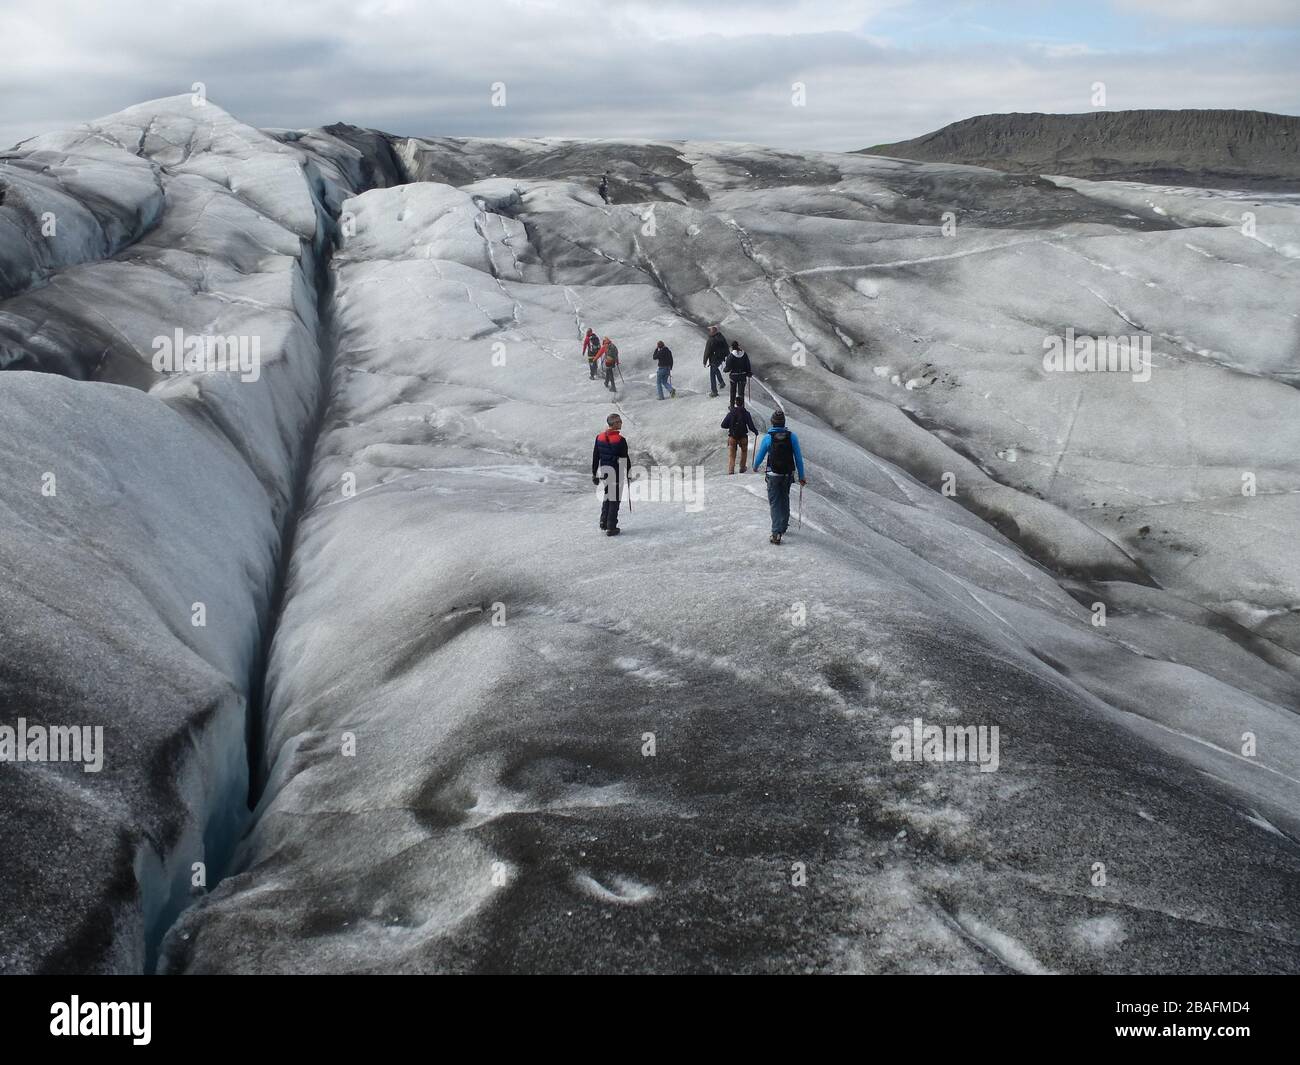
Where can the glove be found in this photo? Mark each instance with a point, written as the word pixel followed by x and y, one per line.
pixel 802 482
pixel 595 480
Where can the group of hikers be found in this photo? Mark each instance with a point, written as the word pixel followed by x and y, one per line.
pixel 779 447
pixel 602 352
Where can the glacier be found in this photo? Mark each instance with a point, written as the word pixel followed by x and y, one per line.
pixel 433 721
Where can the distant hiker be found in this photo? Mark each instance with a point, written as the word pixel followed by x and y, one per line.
pixel 604 186
pixel 609 463
pixel 739 425
pixel 715 353
pixel 739 371
pixel 590 348
pixel 608 355
pixel 781 448
pixel 664 357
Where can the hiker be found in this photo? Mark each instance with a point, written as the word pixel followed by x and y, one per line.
pixel 610 454
pixel 590 347
pixel 604 186
pixel 739 425
pixel 739 371
pixel 715 352
pixel 608 355
pixel 664 357
pixel 781 449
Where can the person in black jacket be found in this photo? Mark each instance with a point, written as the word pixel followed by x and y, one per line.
pixel 590 346
pixel 739 425
pixel 663 376
pixel 609 463
pixel 603 188
pixel 739 371
pixel 715 353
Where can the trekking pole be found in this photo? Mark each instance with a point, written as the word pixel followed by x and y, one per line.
pixel 800 506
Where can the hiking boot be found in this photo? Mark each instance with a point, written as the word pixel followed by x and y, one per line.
pixel 742 469
pixel 603 525
pixel 776 538
pixel 673 393
pixel 613 530
pixel 714 395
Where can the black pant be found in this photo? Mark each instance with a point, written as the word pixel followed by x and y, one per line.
pixel 738 381
pixel 592 364
pixel 609 514
pixel 609 379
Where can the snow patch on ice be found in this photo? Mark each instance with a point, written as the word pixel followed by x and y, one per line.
pixel 1099 933
pixel 1005 947
pixel 623 890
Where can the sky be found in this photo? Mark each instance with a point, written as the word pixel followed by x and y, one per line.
pixel 871 71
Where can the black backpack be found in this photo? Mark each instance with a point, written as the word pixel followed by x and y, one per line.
pixel 780 452
pixel 738 429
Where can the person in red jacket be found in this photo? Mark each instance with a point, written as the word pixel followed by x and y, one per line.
pixel 609 463
pixel 608 355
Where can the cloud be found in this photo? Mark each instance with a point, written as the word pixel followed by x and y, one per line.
pixel 721 70
pixel 1223 12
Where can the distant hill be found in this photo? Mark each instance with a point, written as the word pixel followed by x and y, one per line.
pixel 1207 148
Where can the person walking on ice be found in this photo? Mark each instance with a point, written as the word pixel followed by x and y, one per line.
pixel 590 348
pixel 663 375
pixel 739 370
pixel 715 353
pixel 608 355
pixel 609 462
pixel 781 449
pixel 739 425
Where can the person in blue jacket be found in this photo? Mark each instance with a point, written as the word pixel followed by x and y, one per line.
pixel 780 447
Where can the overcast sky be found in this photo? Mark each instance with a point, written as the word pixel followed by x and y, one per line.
pixel 874 70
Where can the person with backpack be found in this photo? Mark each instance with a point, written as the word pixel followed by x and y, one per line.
pixel 603 187
pixel 715 353
pixel 590 346
pixel 663 375
pixel 738 369
pixel 609 462
pixel 608 355
pixel 781 449
pixel 739 425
